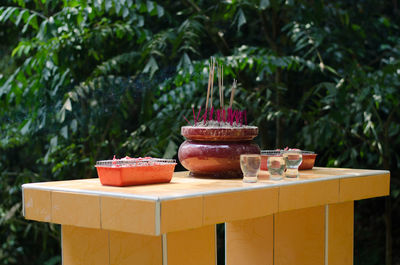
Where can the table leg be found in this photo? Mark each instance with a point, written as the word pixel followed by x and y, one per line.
pixel 190 247
pixel 250 241
pixel 318 235
pixel 340 234
pixel 86 246
pixel 128 249
pixel 300 237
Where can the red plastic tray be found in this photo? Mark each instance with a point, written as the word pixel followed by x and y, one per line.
pixel 135 171
pixel 307 163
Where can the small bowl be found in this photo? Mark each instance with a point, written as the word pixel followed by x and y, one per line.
pixel 135 171
pixel 307 163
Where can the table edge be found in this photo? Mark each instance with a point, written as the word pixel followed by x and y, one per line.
pixel 250 186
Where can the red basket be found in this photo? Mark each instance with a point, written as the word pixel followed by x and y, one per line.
pixel 307 163
pixel 135 171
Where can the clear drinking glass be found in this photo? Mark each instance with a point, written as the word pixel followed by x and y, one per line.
pixel 275 164
pixel 293 159
pixel 250 165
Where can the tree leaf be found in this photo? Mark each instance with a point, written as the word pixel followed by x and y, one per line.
pixel 171 150
pixel 53 142
pixel 67 105
pixel 42 122
pixel 241 19
pixel 24 14
pixel 79 19
pixel 7 13
pixel 32 20
pixel 74 125
pixel 97 4
pixel 125 12
pixel 264 4
pixel 108 5
pixel 150 6
pixel 151 66
pixel 64 132
pixel 9 214
pixel 185 63
pixel 26 127
pixel 160 11
pixel 118 7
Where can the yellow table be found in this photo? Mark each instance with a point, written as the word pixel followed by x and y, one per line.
pixel 293 221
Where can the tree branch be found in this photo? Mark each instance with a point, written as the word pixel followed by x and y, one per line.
pixel 196 7
pixel 266 35
pixel 391 115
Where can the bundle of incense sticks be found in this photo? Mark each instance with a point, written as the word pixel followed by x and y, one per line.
pixel 221 115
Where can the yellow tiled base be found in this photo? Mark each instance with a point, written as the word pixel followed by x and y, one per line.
pixel 340 233
pixel 240 205
pixel 306 195
pixel 293 222
pixel 352 189
pixel 37 205
pixel 76 209
pixel 188 203
pixel 128 249
pixel 299 237
pixel 286 238
pixel 181 214
pixel 127 215
pixel 192 247
pixel 250 241
pixel 84 246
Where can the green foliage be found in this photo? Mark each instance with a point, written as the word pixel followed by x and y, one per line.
pixel 84 80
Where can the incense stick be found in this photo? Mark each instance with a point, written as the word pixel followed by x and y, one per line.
pixel 208 88
pixel 223 115
pixel 233 92
pixel 222 85
pixel 219 86
pixel 187 120
pixel 212 91
pixel 212 78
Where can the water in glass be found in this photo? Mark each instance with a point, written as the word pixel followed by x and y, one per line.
pixel 250 165
pixel 276 167
pixel 293 159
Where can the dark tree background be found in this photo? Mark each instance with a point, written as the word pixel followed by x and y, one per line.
pixel 84 80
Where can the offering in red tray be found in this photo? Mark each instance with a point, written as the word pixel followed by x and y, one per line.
pixel 135 171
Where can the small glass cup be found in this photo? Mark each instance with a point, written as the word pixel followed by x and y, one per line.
pixel 275 164
pixel 250 165
pixel 293 159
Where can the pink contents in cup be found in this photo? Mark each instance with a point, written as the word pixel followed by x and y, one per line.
pixel 275 164
pixel 293 157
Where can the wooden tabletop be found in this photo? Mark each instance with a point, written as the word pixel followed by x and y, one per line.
pixel 188 202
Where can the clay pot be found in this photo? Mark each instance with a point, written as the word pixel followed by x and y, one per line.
pixel 212 152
